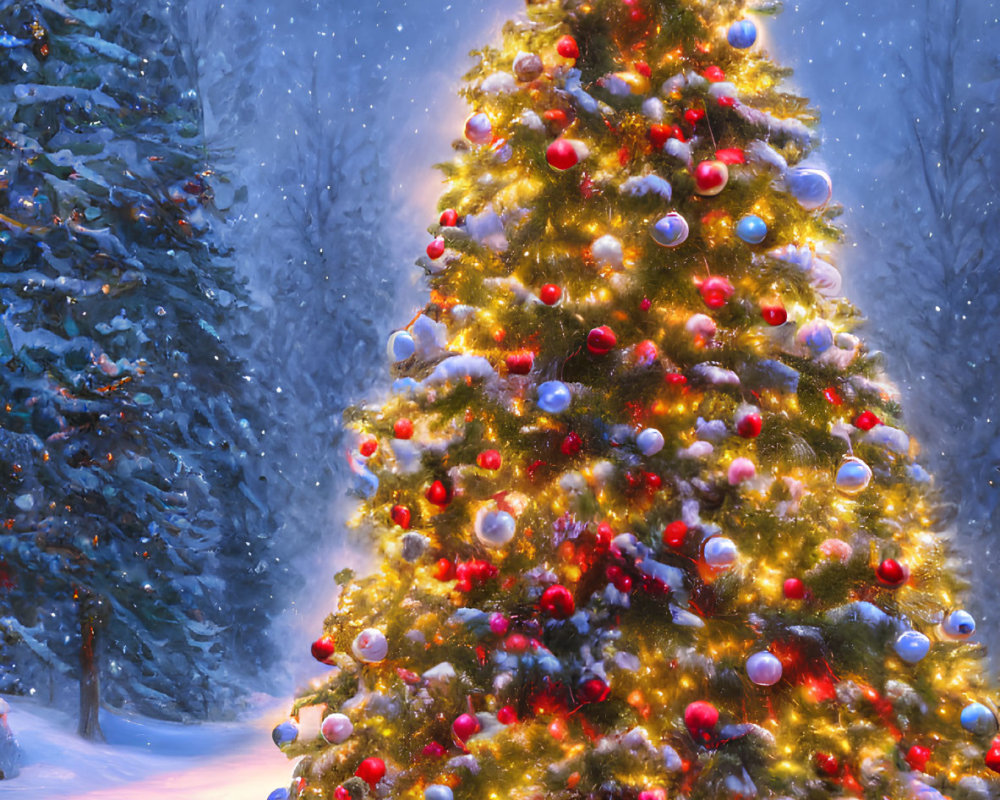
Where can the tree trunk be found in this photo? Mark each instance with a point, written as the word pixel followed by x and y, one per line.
pixel 91 619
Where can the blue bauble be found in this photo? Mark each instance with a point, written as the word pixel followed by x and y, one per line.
pixel 912 646
pixel 978 719
pixel 811 187
pixel 278 794
pixel 764 669
pixel 649 441
pixel 853 476
pixel 752 229
pixel 401 346
pixel 438 791
pixel 742 34
pixel 494 528
pixel 670 231
pixel 554 397
pixel 816 335
pixel 285 733
pixel 958 625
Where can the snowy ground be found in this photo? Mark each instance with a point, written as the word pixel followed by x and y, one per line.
pixel 145 759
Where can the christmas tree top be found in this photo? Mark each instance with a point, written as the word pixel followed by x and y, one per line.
pixel 648 521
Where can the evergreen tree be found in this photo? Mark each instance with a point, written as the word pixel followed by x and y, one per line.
pixel 135 551
pixel 649 523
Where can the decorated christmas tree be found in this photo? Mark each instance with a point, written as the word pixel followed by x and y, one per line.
pixel 648 523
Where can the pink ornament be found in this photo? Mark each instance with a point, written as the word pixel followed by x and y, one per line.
pixel 479 129
pixel 465 726
pixel 742 469
pixel 499 624
pixel 434 750
pixel 701 326
pixel 836 548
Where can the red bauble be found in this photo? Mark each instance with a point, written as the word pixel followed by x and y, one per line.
pixel 726 101
pixel 891 573
pixel 674 533
pixel 601 341
pixel 917 757
pixel 489 459
pixel 368 447
pixel 520 363
pixel 710 177
pixel 794 589
pixel 507 715
pixel 749 425
pixel 402 428
pixel 340 793
pixel 550 294
pixel 557 602
pixel 605 535
pixel 562 155
pixel 694 115
pixel 436 248
pixel 438 494
pixel 571 444
pixel 557 118
pixel 465 726
pixel 593 690
pixel 567 47
pixel 434 750
pixel 645 353
pixel 675 380
pixel 621 581
pixel 993 755
pixel 714 74
pixel 832 396
pixel 645 304
pixel 401 516
pixel 715 291
pixel 642 67
pixel 731 155
pixel 658 135
pixel 700 717
pixel 449 218
pixel 866 420
pixel 444 570
pixel 774 315
pixel 323 648
pixel 826 764
pixel 371 771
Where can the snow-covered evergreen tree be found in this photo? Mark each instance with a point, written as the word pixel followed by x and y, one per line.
pixel 136 551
